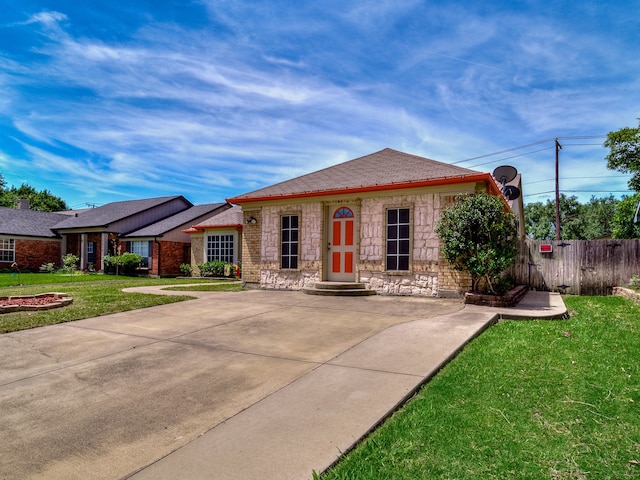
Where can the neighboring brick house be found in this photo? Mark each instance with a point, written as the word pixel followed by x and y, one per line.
pixel 164 245
pixel 217 238
pixel 153 228
pixel 27 238
pixel 368 220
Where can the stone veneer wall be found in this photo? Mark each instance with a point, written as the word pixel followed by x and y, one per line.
pixel 311 226
pixel 423 278
pixel 430 275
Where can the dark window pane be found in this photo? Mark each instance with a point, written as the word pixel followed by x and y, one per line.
pixel 294 235
pixel 404 215
pixel 392 263
pixel 392 232
pixel 285 235
pixel 403 263
pixel 285 222
pixel 294 249
pixel 392 247
pixel 294 262
pixel 285 249
pixel 404 247
pixel 392 216
pixel 404 231
pixel 285 262
pixel 294 221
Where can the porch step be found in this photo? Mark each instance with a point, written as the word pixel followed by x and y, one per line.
pixel 346 289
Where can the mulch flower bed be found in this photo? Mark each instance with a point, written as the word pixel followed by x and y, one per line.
pixel 42 301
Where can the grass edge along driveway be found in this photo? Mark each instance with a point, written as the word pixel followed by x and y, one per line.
pixel 526 399
pixel 93 295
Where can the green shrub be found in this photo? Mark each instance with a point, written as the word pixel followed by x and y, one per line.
pixel 186 269
pixel 48 267
pixel 216 268
pixel 125 263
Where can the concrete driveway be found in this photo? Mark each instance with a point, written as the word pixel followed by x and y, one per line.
pixel 252 384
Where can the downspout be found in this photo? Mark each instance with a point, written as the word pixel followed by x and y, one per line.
pixel 155 239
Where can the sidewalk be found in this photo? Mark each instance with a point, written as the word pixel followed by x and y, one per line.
pixel 305 425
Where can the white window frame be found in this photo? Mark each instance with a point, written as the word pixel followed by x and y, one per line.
pixel 288 243
pixel 227 251
pixel 141 247
pixel 7 249
pixel 398 241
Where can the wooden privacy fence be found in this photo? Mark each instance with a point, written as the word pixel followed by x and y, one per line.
pixel 577 267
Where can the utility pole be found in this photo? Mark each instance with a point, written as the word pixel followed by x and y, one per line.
pixel 558 148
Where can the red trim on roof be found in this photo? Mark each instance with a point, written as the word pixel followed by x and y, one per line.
pixel 478 177
pixel 202 228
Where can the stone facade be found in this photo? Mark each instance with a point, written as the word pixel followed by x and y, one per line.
pixel 429 274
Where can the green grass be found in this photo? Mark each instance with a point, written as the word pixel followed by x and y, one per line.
pixel 527 400
pixel 93 295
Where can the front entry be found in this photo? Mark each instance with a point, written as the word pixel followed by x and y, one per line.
pixel 342 246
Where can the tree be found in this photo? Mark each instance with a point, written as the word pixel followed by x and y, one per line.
pixel 622 222
pixel 43 201
pixel 577 221
pixel 624 153
pixel 479 236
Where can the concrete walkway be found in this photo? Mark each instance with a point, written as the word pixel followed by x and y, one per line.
pixel 250 384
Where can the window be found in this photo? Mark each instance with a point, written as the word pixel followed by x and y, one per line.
pixel 91 252
pixel 144 249
pixel 7 249
pixel 289 242
pixel 220 247
pixel 398 238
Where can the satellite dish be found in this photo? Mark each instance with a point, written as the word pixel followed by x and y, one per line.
pixel 505 174
pixel 511 192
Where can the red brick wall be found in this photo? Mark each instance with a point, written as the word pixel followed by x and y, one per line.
pixel 172 256
pixel 31 254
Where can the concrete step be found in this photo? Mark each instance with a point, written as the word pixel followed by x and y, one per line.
pixel 336 289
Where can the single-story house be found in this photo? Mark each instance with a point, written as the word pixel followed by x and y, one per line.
pixel 217 238
pixel 164 245
pixel 28 239
pixel 150 227
pixel 369 220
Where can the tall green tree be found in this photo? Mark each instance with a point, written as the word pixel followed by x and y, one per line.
pixel 624 153
pixel 622 221
pixel 43 200
pixel 479 236
pixel 577 221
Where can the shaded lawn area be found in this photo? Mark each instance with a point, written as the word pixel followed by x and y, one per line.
pixel 526 399
pixel 93 295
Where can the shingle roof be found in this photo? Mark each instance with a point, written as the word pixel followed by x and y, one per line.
pixel 228 218
pixel 386 167
pixel 28 223
pixel 112 212
pixel 181 219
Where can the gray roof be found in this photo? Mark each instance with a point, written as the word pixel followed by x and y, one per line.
pixel 230 217
pixel 179 220
pixel 386 167
pixel 28 223
pixel 112 212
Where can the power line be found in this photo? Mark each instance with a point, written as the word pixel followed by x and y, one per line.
pixel 577 137
pixel 578 191
pixel 577 178
pixel 513 156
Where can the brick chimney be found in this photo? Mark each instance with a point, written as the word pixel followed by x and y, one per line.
pixel 23 204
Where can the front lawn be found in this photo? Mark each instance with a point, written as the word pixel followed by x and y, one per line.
pixel 527 399
pixel 92 295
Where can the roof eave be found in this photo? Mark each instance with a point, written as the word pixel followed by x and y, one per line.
pixel 478 177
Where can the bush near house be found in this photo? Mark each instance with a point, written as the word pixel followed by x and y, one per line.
pixel 125 264
pixel 480 237
pixel 216 268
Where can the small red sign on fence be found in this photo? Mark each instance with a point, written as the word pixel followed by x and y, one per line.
pixel 546 248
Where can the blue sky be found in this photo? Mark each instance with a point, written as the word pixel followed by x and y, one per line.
pixel 105 101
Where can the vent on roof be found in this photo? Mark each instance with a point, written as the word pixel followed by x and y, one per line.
pixel 23 204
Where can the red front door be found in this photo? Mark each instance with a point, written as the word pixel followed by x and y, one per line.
pixel 342 245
